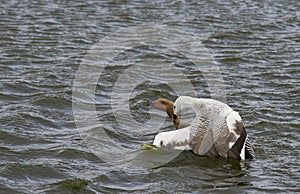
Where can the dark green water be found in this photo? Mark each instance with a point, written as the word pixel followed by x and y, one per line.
pixel 253 45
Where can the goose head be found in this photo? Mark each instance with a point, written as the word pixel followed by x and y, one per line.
pixel 168 107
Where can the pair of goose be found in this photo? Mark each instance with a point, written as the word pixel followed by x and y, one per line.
pixel 216 131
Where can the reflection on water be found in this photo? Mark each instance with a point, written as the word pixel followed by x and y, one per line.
pixel 255 45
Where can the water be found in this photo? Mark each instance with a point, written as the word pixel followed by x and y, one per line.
pixel 254 44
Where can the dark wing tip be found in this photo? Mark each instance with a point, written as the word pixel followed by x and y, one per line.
pixel 236 149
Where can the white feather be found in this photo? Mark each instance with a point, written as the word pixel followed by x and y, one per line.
pixel 231 120
pixel 178 139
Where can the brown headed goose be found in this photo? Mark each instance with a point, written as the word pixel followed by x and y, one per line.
pixel 217 130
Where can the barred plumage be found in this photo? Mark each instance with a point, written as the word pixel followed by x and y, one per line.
pixel 217 130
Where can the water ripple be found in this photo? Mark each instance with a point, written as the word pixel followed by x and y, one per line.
pixel 255 44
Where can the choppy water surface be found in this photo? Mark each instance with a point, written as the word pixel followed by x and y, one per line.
pixel 255 45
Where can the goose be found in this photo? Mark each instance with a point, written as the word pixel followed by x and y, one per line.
pixel 217 130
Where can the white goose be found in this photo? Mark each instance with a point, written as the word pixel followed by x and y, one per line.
pixel 217 130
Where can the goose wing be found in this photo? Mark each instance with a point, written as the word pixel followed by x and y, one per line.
pixel 219 136
pixel 177 139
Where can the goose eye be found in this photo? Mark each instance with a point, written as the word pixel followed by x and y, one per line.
pixel 174 106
